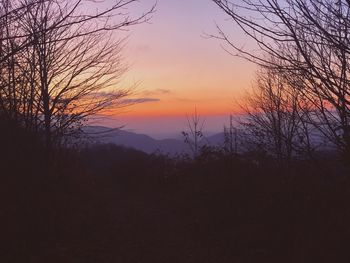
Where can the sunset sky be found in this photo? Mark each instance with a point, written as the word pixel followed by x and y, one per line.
pixel 177 68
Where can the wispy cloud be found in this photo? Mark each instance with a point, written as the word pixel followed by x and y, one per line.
pixel 140 100
pixel 156 92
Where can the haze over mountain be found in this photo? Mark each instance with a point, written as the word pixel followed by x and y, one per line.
pixel 145 143
pixel 174 146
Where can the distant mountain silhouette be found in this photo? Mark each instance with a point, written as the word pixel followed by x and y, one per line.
pixel 172 147
pixel 137 141
pixel 143 142
pixel 216 139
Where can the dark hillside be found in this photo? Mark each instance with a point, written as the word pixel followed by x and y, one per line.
pixel 112 204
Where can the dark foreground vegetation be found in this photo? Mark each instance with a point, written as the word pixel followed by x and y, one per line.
pixel 58 63
pixel 110 204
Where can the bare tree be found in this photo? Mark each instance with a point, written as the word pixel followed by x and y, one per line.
pixel 277 119
pixel 194 136
pixel 70 68
pixel 10 13
pixel 309 39
pixel 231 138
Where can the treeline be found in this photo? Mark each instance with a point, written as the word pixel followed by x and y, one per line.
pixel 303 87
pixel 60 62
pixel 110 204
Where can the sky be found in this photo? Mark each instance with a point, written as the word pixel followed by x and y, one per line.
pixel 178 68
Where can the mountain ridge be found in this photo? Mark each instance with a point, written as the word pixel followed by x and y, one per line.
pixel 143 142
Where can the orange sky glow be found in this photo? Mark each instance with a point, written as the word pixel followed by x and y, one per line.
pixel 177 67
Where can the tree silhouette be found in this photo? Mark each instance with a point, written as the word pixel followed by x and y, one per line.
pixel 61 63
pixel 309 40
pixel 231 138
pixel 194 136
pixel 277 120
